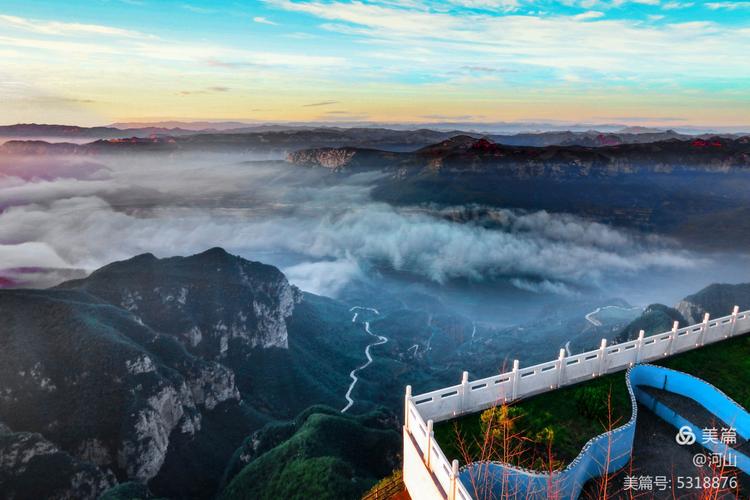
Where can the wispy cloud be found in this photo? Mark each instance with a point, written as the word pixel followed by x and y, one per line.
pixel 58 100
pixel 728 5
pixel 344 116
pixel 495 5
pixel 677 5
pixel 640 119
pixel 321 103
pixel 591 14
pixel 67 29
pixel 209 90
pixel 72 48
pixel 264 20
pixel 218 63
pixel 415 56
pixel 550 41
pixel 458 118
pixel 150 48
pixel 608 4
pixel 198 10
pixel 486 69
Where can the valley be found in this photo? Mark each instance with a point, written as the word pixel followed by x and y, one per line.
pixel 227 389
pixel 339 285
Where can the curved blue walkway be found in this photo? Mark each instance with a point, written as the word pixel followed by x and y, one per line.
pixel 612 450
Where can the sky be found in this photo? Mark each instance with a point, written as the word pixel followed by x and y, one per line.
pixel 649 62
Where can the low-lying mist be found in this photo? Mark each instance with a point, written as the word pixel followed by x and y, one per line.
pixel 65 216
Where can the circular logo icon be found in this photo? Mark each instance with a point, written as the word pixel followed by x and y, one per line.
pixel 685 436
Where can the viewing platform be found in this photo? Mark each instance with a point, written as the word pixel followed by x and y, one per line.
pixel 429 474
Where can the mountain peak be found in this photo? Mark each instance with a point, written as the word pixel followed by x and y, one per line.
pixel 144 257
pixel 213 302
pixel 459 143
pixel 214 253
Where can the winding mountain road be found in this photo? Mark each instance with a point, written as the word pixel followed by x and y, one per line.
pixel 591 319
pixel 353 374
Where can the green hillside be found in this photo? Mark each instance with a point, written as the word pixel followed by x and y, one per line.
pixel 328 456
pixel 657 318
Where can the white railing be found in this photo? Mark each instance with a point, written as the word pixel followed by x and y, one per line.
pixel 427 471
pixel 421 411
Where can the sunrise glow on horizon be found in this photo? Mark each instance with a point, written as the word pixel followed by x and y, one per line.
pixel 646 62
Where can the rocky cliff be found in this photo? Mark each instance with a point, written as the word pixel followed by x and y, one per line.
pixel 106 375
pixel 716 300
pixel 98 383
pixel 330 158
pixel 346 159
pixel 26 460
pixel 468 154
pixel 150 373
pixel 212 302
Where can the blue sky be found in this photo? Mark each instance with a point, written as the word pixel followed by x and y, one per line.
pixel 644 61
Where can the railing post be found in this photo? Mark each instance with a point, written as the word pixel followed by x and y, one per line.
pixel 428 448
pixel 602 356
pixel 672 338
pixel 407 398
pixel 454 480
pixel 735 313
pixel 514 384
pixel 704 328
pixel 464 391
pixel 561 368
pixel 641 334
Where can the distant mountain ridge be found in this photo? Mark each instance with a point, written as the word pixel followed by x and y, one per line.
pixel 465 153
pixel 74 132
pixel 231 141
pixel 592 138
pixel 284 139
pixel 674 188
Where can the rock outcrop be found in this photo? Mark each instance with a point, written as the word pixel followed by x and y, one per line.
pixel 99 384
pixel 212 302
pixel 693 313
pixel 331 158
pixel 33 467
pixel 716 300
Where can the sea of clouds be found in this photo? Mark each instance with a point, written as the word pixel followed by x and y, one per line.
pixel 70 216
